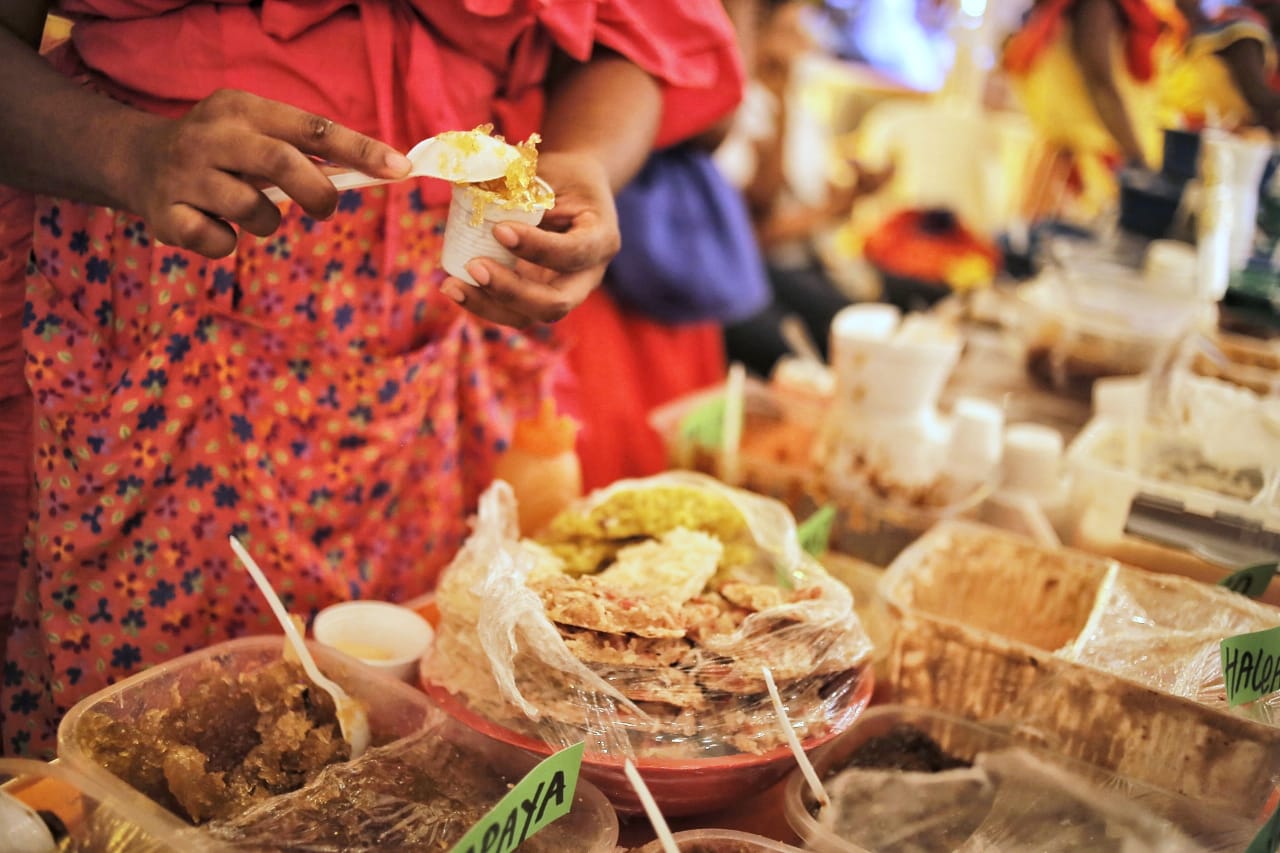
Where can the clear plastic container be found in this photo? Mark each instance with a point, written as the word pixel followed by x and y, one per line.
pixel 1249 362
pixel 94 817
pixel 720 841
pixel 776 460
pixel 987 626
pixel 1109 466
pixel 398 714
pixel 1095 319
pixel 964 739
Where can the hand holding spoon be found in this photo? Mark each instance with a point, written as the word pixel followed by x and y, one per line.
pixel 460 156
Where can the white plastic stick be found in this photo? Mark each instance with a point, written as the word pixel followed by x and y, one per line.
pixel 650 808
pixel 735 392
pixel 806 767
pixel 351 715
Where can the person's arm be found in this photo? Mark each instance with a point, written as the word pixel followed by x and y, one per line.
pixel 1097 29
pixel 191 179
pixel 1245 59
pixel 1193 13
pixel 608 109
pixel 601 122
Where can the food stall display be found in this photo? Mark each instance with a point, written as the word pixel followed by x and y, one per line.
pixel 231 748
pixel 1113 665
pixel 641 620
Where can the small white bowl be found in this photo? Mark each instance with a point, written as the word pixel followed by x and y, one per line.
pixel 383 635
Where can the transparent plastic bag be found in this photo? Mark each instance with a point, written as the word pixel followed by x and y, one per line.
pixel 1041 808
pixel 423 792
pixel 1010 801
pixel 665 656
pixel 1165 632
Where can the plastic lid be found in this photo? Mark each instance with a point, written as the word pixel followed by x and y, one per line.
pixel 1032 458
pixel 548 434
pixel 803 374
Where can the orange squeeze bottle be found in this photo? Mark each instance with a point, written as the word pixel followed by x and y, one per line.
pixel 542 466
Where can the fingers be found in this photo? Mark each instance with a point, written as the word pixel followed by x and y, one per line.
pixel 187 228
pixel 484 304
pixel 231 199
pixel 207 166
pixel 278 162
pixel 583 247
pixel 319 136
pixel 514 299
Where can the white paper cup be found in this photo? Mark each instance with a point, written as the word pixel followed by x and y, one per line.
pixel 465 240
pixel 383 635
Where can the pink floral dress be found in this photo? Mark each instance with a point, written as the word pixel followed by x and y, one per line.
pixel 314 394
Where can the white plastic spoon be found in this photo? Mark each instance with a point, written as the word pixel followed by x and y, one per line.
pixel 460 156
pixel 352 718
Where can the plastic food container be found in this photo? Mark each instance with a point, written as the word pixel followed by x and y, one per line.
pixel 1171 470
pixel 957 648
pixel 398 714
pixel 94 817
pixel 1248 362
pixel 468 231
pixel 679 786
pixel 964 739
pixel 1095 319
pixel 775 461
pixel 720 841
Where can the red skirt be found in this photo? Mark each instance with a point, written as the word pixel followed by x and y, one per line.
pixel 623 366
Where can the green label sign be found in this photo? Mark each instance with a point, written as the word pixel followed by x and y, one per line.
pixel 538 799
pixel 1268 838
pixel 1251 581
pixel 704 426
pixel 814 532
pixel 1251 665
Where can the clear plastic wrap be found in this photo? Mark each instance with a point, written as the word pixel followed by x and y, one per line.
pixel 215 737
pixel 420 793
pixel 984 618
pixel 906 779
pixel 642 619
pixel 90 819
pixel 1166 632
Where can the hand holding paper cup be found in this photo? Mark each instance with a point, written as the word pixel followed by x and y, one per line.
pixel 475 210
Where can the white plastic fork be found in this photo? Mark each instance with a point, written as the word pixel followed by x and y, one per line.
pixel 352 718
pixel 447 155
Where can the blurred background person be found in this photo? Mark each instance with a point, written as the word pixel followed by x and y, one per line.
pixel 794 186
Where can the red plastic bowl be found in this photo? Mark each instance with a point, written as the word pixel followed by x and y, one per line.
pixel 679 786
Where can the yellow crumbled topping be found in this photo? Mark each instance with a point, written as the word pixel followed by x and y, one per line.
pixel 519 188
pixel 588 542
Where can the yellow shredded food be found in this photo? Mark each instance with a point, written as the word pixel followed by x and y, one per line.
pixel 588 542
